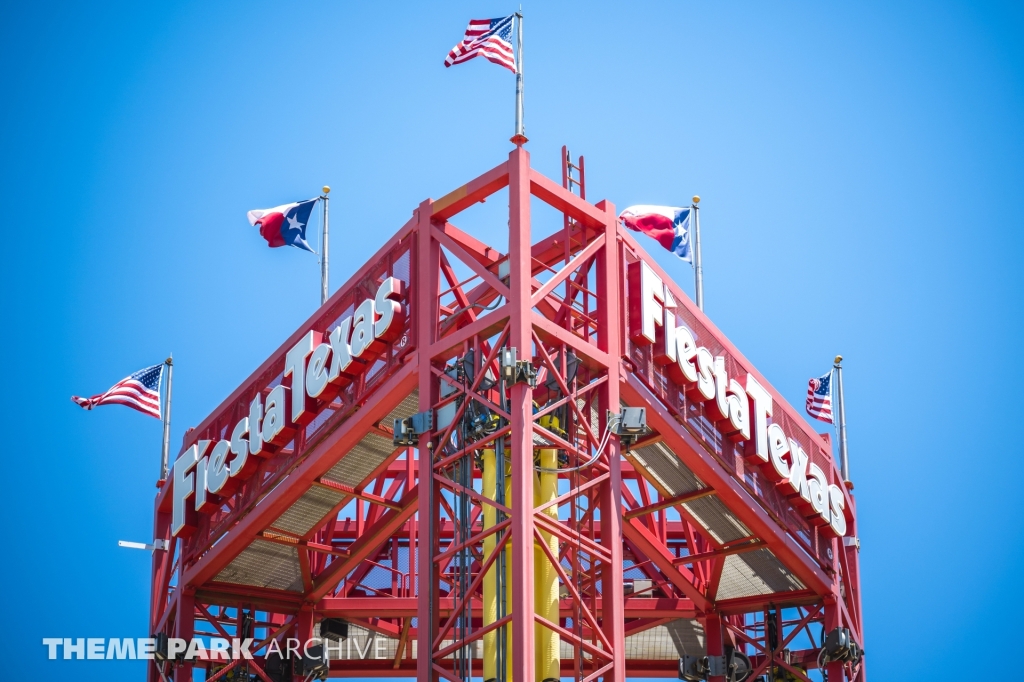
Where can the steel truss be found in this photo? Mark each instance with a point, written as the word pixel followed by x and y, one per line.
pixel 519 538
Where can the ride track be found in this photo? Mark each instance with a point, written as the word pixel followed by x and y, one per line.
pixel 685 543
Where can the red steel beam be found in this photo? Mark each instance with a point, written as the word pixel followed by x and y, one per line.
pixel 521 400
pixel 428 262
pixel 368 544
pixel 610 500
pixel 278 355
pixel 779 403
pixel 318 462
pixel 405 607
pixel 637 533
pixel 749 510
pixel 658 539
pixel 473 191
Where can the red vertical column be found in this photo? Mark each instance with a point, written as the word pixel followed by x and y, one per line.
pixel 162 564
pixel 521 438
pixel 833 619
pixel 184 628
pixel 714 640
pixel 410 481
pixel 853 599
pixel 304 626
pixel 427 263
pixel 609 324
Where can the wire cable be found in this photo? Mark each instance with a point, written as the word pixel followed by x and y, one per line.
pixel 600 450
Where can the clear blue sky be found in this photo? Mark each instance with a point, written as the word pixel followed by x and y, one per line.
pixel 860 168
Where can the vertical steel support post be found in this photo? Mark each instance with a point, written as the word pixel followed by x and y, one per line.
pixel 714 639
pixel 304 623
pixel 608 340
pixel 833 619
pixel 161 569
pixel 184 628
pixel 410 482
pixel 428 262
pixel 521 438
pixel 853 594
pixel 161 566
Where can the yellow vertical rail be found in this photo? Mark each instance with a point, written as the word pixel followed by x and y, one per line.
pixel 490 605
pixel 508 581
pixel 546 579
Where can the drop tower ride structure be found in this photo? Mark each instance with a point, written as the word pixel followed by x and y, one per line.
pixel 457 488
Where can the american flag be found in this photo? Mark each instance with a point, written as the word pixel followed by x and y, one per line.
pixel 140 391
pixel 819 398
pixel 488 38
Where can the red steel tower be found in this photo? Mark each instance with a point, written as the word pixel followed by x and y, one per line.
pixel 444 474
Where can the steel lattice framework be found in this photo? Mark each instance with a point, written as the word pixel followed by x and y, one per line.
pixel 519 540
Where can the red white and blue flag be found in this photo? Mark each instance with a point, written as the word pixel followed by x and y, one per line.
pixel 819 398
pixel 487 38
pixel 140 391
pixel 284 225
pixel 668 225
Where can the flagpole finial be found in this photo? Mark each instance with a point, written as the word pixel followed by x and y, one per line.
pixel 327 189
pixel 169 361
pixel 839 358
pixel 696 199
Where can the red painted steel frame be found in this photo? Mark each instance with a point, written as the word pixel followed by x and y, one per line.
pixel 566 292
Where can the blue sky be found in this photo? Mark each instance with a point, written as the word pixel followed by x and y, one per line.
pixel 860 171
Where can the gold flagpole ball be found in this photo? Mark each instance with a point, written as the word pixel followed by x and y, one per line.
pixel 327 190
pixel 696 199
pixel 839 358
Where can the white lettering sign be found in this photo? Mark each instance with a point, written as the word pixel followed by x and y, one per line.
pixel 203 476
pixel 740 412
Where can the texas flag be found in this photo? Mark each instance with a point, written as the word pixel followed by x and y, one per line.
pixel 284 225
pixel 669 225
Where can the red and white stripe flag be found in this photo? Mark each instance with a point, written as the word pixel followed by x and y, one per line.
pixel 819 398
pixel 487 38
pixel 140 391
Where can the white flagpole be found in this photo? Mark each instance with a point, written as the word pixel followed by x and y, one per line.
pixel 698 270
pixel 844 463
pixel 324 272
pixel 169 367
pixel 520 136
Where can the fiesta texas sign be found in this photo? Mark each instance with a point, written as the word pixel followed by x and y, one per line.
pixel 209 471
pixel 740 411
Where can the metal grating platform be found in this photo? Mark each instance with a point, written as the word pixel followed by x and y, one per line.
pixel 665 470
pixel 667 642
pixel 753 573
pixel 308 511
pixel 660 465
pixel 276 566
pixel 265 564
pixel 361 644
pixel 360 461
pixel 717 520
pixel 743 575
pixel 408 407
